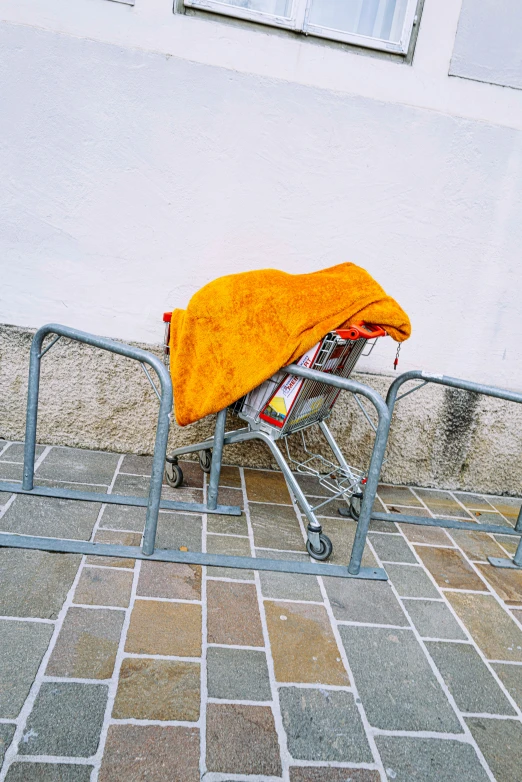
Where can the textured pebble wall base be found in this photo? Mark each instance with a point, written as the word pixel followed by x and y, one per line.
pixel 91 399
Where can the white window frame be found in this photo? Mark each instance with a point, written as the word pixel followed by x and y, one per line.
pixel 298 21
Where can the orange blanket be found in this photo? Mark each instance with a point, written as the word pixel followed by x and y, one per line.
pixel 240 329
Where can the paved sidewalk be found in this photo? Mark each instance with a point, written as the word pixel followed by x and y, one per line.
pixel 115 670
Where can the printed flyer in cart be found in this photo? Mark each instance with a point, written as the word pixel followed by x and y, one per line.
pixel 281 403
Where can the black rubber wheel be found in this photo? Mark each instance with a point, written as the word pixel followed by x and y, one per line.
pixel 205 460
pixel 325 550
pixel 173 475
pixel 355 505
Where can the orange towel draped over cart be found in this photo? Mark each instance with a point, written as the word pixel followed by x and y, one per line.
pixel 239 330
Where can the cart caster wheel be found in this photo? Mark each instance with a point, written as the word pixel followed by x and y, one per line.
pixel 324 551
pixel 355 505
pixel 173 475
pixel 205 460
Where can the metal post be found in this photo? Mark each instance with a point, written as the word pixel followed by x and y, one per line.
pixel 517 559
pixel 518 525
pixel 32 408
pixel 370 490
pixel 158 464
pixel 217 455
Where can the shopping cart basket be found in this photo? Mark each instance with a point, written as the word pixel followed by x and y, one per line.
pixel 286 404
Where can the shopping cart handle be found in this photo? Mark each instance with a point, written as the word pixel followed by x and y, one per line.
pixel 361 331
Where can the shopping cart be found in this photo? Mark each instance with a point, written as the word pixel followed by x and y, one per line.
pixel 285 405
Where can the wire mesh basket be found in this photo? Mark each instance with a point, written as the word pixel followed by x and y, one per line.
pixel 286 403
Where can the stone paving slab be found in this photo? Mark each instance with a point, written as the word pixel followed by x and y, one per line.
pixel 333 775
pixel 47 772
pixel 511 676
pixel 304 647
pixel 266 487
pixel 508 585
pixel 22 646
pixel 124 517
pixel 237 674
pixel 227 544
pixel 369 602
pixel 6 735
pixel 87 644
pixel 500 741
pixel 450 569
pixel 429 760
pixel 441 503
pixel 468 679
pixel 10 472
pixel 481 613
pixel 150 689
pixel 276 527
pixel 151 629
pixel 15 452
pixel 323 725
pixel 476 545
pixel 227 525
pixel 392 549
pixel 434 620
pixel 396 683
pixel 121 539
pixel 398 495
pixel 35 583
pixel 159 672
pixel 50 517
pixel 242 740
pixel 233 614
pixel 416 533
pixel 288 586
pixel 177 531
pixel 152 753
pixel 66 720
pixel 103 587
pixel 411 581
pixel 79 466
pixel 169 580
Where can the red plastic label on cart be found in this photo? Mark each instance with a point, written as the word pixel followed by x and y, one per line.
pixel 280 405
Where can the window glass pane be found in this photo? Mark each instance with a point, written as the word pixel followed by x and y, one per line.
pixel 374 18
pixel 273 7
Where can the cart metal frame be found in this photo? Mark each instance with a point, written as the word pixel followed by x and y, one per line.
pixel 153 502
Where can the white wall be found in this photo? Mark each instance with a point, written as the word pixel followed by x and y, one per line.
pixel 143 153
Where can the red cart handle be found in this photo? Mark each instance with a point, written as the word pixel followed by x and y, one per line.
pixel 361 331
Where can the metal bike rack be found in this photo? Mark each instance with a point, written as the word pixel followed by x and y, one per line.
pixel 154 502
pixel 466 385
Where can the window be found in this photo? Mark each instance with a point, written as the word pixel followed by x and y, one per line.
pixel 376 24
